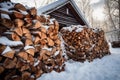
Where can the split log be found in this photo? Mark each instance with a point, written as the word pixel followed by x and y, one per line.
pixel 26 62
pixel 37 24
pixel 9 54
pixel 2 48
pixel 7 23
pixel 28 42
pixel 84 43
pixel 50 42
pixel 18 15
pixel 33 11
pixel 37 40
pixel 25 75
pixel 30 51
pixel 23 55
pixel 42 35
pixel 15 37
pixel 19 22
pixel 9 63
pixel 18 30
pixel 19 6
pixel 43 29
pixel 28 20
pixel 1 69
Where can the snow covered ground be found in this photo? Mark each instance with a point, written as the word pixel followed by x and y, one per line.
pixel 107 68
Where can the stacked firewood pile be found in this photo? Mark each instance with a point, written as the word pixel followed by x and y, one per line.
pixel 83 43
pixel 29 44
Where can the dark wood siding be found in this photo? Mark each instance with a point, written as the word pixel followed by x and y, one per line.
pixel 66 16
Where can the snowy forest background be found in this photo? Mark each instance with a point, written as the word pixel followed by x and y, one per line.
pixel 102 14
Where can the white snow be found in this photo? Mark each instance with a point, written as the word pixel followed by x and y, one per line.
pixel 107 68
pixel 51 21
pixel 56 53
pixel 77 28
pixel 34 21
pixel 37 62
pixel 6 41
pixel 6 50
pixel 46 27
pixel 4 9
pixel 28 47
pixel 7 5
pixel 49 49
pixel 5 16
pixel 23 12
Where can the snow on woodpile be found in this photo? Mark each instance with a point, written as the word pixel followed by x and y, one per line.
pixel 83 43
pixel 29 43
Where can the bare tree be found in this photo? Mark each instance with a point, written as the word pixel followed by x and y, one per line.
pixel 112 18
pixel 86 9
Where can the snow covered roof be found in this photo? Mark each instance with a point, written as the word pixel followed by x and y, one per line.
pixel 56 5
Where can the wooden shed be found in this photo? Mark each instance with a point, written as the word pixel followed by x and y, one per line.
pixel 65 12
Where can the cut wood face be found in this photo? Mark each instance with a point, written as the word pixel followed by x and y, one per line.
pixel 9 54
pixel 19 6
pixel 31 51
pixel 84 44
pixel 18 15
pixel 29 44
pixel 23 55
pixel 19 22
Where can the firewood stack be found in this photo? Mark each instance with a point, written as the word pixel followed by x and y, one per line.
pixel 29 44
pixel 83 43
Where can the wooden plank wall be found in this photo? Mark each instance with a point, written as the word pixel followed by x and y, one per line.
pixel 64 17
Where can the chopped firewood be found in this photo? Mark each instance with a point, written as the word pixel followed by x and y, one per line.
pixel 25 75
pixel 43 35
pixel 9 63
pixel 33 11
pixel 40 49
pixel 37 40
pixel 25 67
pixel 16 77
pixel 28 36
pixel 42 54
pixel 50 42
pixel 83 43
pixel 1 69
pixel 28 20
pixel 56 25
pixel 23 55
pixel 2 29
pixel 38 73
pixel 15 37
pixel 43 42
pixel 30 51
pixel 37 25
pixel 20 7
pixel 2 48
pixel 7 23
pixel 25 30
pixel 28 42
pixel 17 14
pixel 30 58
pixel 9 54
pixel 58 42
pixel 53 50
pixel 10 74
pixel 43 29
pixel 18 22
pixel 18 30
